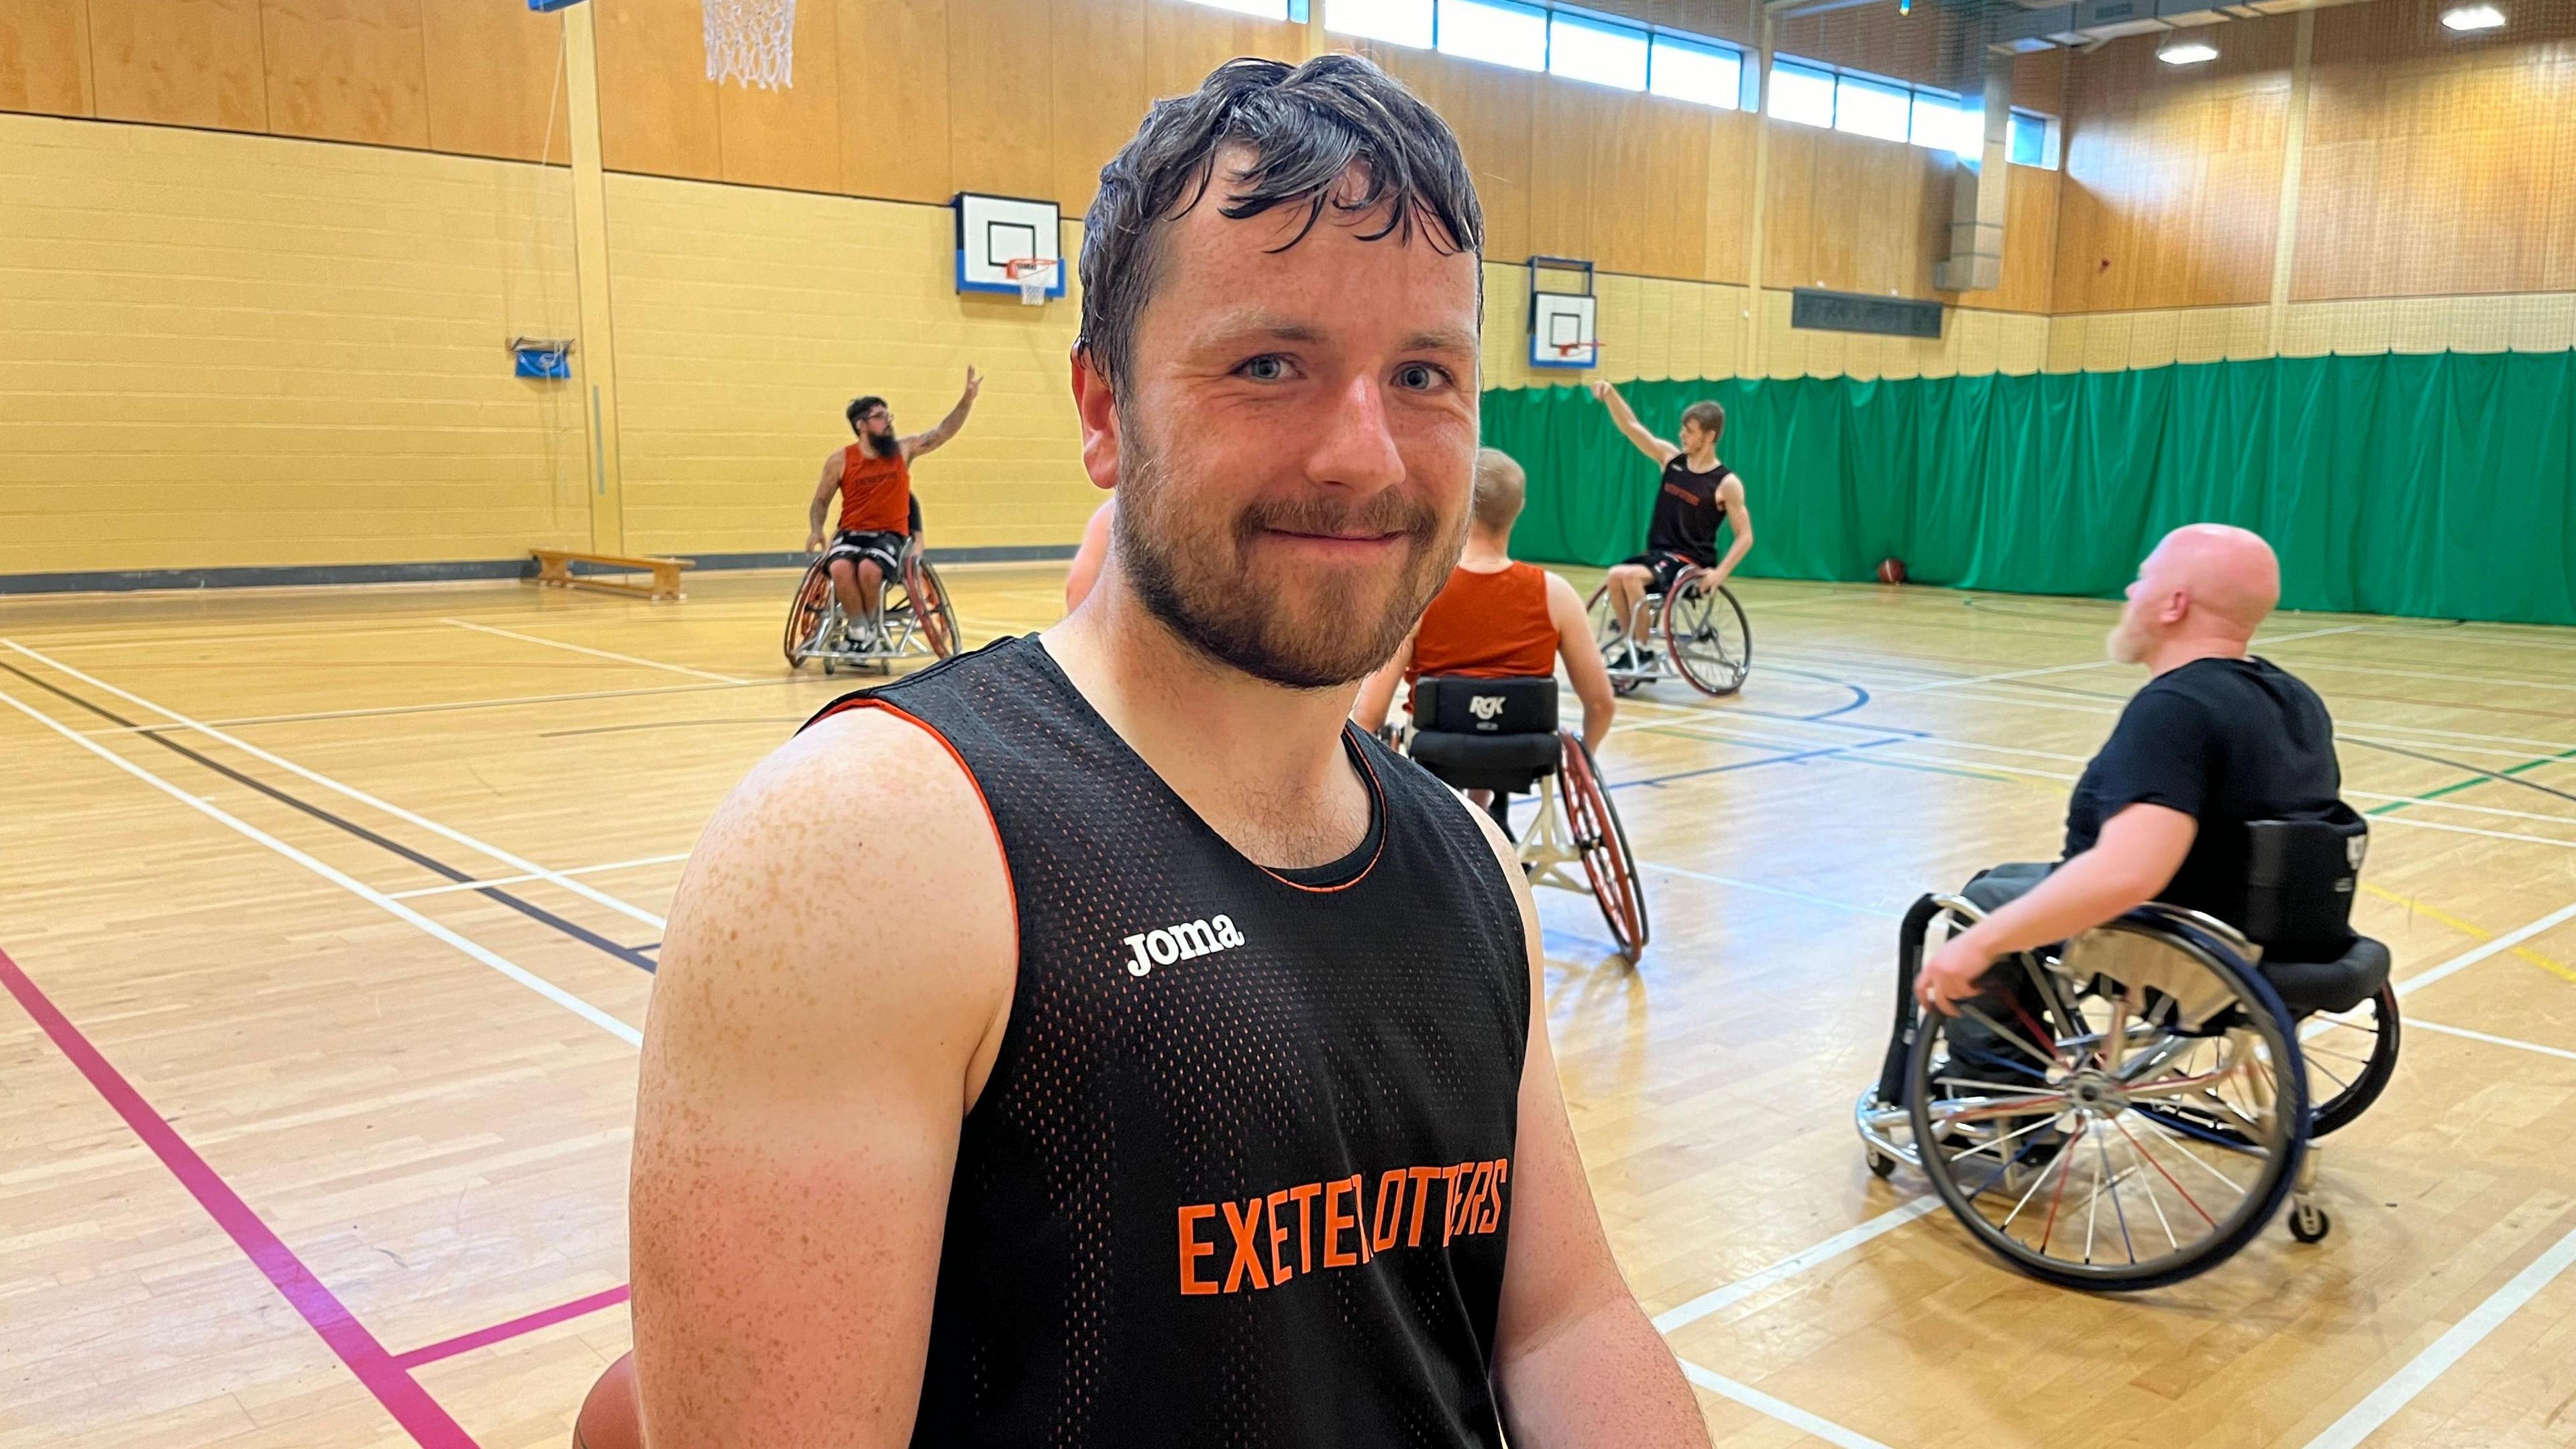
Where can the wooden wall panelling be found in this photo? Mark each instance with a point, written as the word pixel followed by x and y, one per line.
pixel 1925 47
pixel 1099 91
pixel 894 98
pixel 1492 110
pixel 44 57
pixel 789 136
pixel 178 62
pixel 1653 184
pixel 2438 163
pixel 658 113
pixel 1000 123
pixel 1789 207
pixel 489 70
pixel 346 70
pixel 1563 179
pixel 2173 176
pixel 1727 253
pixel 1184 41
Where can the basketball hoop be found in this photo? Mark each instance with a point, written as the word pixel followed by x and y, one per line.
pixel 752 41
pixel 1036 276
pixel 1577 354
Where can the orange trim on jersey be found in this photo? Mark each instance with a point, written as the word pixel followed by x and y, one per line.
pixel 1377 788
pixel 862 701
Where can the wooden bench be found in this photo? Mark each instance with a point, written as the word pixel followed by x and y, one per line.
pixel 554 566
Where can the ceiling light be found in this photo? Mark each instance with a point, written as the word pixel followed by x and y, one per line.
pixel 2187 52
pixel 2474 17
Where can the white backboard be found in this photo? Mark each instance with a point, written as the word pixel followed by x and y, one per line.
pixel 995 230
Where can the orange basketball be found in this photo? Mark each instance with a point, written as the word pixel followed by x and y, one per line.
pixel 610 1418
pixel 1891 571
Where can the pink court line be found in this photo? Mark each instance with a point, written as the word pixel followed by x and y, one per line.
pixel 391 1383
pixel 527 1323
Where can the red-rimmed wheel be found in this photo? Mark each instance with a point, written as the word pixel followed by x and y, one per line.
pixel 1597 833
pixel 805 615
pixel 1705 629
pixel 930 611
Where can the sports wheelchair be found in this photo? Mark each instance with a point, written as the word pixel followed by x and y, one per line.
pixel 2129 1109
pixel 1700 628
pixel 914 620
pixel 1501 735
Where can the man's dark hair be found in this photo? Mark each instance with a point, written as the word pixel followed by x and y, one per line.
pixel 859 407
pixel 1305 125
pixel 1709 415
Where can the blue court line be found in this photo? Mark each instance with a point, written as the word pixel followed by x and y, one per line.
pixel 1786 759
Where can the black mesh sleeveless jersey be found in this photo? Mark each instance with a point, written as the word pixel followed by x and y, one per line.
pixel 1242 1173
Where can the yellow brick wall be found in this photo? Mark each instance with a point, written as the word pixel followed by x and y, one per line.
pixel 747 319
pixel 2501 322
pixel 219 349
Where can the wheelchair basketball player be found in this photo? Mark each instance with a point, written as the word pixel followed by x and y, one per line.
pixel 1694 495
pixel 872 477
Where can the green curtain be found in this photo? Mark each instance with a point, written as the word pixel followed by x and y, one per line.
pixel 2439 486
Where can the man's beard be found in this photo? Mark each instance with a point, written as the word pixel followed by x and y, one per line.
pixel 1197 582
pixel 2122 646
pixel 882 447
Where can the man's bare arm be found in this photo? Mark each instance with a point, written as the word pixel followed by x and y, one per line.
pixel 1625 419
pixel 811 1051
pixel 2136 856
pixel 827 488
pixel 1739 521
pixel 1575 1361
pixel 920 443
pixel 1583 663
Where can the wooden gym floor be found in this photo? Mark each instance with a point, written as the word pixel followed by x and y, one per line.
pixel 332 916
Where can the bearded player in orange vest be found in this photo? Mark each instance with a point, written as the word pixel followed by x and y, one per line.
pixel 879 515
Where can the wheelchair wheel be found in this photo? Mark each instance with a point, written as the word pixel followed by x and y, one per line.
pixel 937 622
pixel 2350 1056
pixel 2124 1124
pixel 1705 628
pixel 1594 822
pixel 1624 680
pixel 805 614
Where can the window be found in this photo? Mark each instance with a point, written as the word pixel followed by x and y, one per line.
pixel 1496 31
pixel 1872 108
pixel 1686 70
pixel 2033 140
pixel 1400 22
pixel 1266 9
pixel 1945 123
pixel 1591 50
pixel 1801 94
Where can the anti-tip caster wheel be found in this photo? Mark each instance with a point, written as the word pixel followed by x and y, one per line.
pixel 1880 1164
pixel 2309 1223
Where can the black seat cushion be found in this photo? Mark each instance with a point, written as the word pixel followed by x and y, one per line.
pixel 2337 985
pixel 1487 762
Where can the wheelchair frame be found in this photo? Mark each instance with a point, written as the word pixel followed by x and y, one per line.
pixel 2106 1086
pixel 1716 669
pixel 818 628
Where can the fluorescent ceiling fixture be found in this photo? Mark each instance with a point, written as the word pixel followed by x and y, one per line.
pixel 2187 52
pixel 2474 17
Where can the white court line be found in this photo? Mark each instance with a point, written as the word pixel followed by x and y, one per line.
pixel 503 702
pixel 1683 1315
pixel 1772 890
pixel 509 880
pixel 529 979
pixel 515 862
pixel 1787 1413
pixel 2364 1418
pixel 2417 1023
pixel 598 653
pixel 2469 958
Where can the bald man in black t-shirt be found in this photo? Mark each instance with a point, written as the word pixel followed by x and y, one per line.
pixel 2216 740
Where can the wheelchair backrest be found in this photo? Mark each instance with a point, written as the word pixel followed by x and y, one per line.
pixel 1455 704
pixel 2301 875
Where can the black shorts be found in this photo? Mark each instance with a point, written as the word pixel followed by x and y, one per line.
pixel 1666 567
pixel 885 548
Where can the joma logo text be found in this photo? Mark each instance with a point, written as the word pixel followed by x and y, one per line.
pixel 1185 942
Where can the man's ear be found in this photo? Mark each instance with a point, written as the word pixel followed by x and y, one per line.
pixel 2176 605
pixel 1095 406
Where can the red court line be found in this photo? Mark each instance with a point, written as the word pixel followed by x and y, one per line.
pixel 526 1323
pixel 393 1386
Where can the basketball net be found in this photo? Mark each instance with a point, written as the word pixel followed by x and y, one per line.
pixel 752 41
pixel 1035 277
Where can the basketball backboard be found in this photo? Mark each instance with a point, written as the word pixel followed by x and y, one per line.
pixel 995 231
pixel 1561 316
